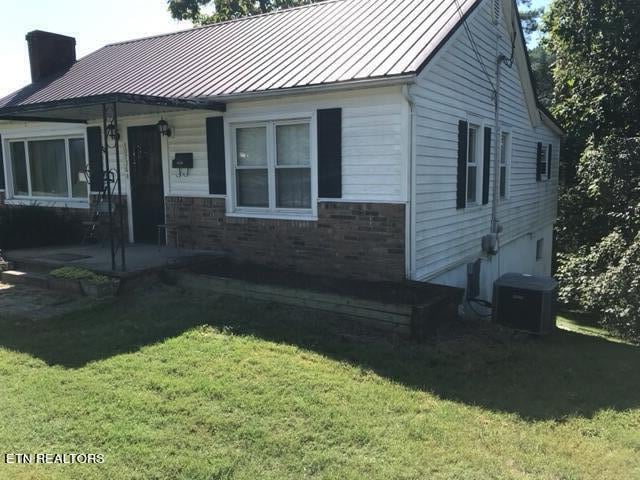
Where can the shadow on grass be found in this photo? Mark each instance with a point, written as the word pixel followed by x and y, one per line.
pixel 537 379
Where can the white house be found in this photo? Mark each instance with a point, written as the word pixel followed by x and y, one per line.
pixel 351 138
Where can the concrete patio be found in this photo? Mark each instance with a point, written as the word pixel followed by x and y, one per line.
pixel 139 258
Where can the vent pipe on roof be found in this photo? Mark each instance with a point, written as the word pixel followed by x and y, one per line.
pixel 49 53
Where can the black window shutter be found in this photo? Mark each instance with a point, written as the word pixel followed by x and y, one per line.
pixel 330 153
pixel 2 186
pixel 463 151
pixel 96 168
pixel 216 156
pixel 539 161
pixel 550 161
pixel 486 171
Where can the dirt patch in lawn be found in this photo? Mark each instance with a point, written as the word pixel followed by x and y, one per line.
pixel 24 302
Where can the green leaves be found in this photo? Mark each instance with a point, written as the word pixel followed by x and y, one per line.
pixel 204 12
pixel 597 98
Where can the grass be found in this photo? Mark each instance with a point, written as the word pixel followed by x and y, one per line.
pixel 172 386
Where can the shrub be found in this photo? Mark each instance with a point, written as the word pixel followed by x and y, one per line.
pixel 35 226
pixel 600 235
pixel 605 279
pixel 76 273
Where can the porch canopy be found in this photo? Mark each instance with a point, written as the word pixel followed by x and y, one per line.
pixel 107 108
pixel 84 109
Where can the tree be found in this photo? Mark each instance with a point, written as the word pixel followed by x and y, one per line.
pixel 542 66
pixel 596 97
pixel 541 58
pixel 530 18
pixel 195 10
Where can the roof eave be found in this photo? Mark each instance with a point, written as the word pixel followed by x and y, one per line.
pixel 348 85
pixel 44 107
pixel 551 122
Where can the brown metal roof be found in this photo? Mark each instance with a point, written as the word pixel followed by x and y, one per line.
pixel 323 43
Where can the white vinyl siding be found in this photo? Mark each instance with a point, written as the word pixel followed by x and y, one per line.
pixel 374 138
pixel 454 88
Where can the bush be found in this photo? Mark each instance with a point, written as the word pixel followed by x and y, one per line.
pixel 35 226
pixel 599 234
pixel 76 273
pixel 605 279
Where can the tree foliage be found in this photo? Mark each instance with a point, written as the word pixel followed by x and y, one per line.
pixel 542 61
pixel 596 97
pixel 541 58
pixel 530 17
pixel 204 12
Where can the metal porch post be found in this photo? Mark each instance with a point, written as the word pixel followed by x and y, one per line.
pixel 105 148
pixel 120 206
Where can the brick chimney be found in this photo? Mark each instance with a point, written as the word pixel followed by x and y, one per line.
pixel 49 53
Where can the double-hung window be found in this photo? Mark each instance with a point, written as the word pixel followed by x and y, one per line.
pixel 273 167
pixel 505 161
pixel 472 164
pixel 49 169
pixel 544 162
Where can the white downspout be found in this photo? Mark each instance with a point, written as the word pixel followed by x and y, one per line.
pixel 495 225
pixel 411 214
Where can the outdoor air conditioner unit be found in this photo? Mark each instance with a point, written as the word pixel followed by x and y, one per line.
pixel 526 303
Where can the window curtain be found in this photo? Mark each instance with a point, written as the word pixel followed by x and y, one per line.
pixel 79 168
pixel 48 168
pixel 293 185
pixel 19 169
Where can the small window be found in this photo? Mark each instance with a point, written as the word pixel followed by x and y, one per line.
pixel 539 249
pixel 544 165
pixel 273 167
pixel 472 165
pixel 505 163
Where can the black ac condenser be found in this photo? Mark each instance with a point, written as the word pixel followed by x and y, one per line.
pixel 526 303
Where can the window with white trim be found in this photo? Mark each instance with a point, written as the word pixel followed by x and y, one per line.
pixel 473 175
pixel 544 165
pixel 505 164
pixel 52 168
pixel 273 167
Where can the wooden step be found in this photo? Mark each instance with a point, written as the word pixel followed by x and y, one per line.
pixel 18 277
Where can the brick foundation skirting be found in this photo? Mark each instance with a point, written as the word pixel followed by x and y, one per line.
pixel 358 240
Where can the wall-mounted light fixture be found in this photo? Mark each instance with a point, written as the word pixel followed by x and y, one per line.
pixel 163 128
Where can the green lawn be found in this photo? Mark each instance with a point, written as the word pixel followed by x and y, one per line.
pixel 170 386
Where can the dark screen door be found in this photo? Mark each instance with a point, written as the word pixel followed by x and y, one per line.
pixel 147 190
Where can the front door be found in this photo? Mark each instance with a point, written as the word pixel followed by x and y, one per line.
pixel 147 190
